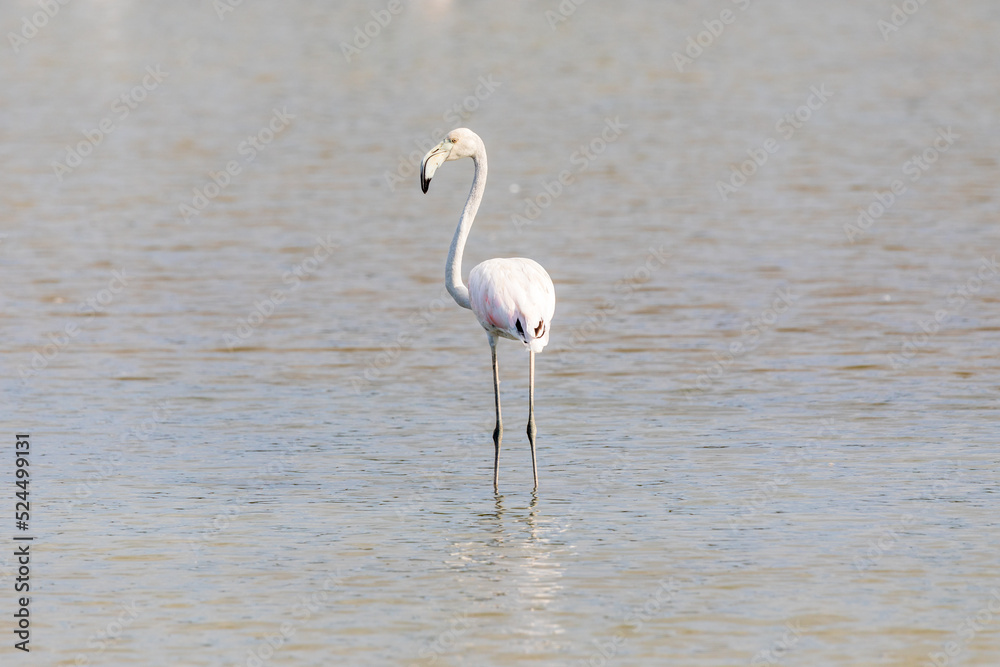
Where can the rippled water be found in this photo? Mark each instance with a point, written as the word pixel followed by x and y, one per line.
pixel 261 429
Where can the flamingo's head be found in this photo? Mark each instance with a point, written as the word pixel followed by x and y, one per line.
pixel 458 143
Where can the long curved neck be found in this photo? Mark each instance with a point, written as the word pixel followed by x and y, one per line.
pixel 453 270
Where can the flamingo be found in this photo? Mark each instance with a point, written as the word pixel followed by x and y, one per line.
pixel 512 297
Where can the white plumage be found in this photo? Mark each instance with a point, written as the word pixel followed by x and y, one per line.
pixel 512 298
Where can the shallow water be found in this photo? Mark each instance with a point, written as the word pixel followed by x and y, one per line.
pixel 268 424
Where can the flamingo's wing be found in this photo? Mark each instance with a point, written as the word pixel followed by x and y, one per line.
pixel 514 298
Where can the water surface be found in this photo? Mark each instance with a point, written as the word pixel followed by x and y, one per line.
pixel 267 440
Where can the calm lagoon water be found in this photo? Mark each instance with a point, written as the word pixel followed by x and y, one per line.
pixel 261 429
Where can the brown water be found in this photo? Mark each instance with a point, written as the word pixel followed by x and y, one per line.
pixel 268 425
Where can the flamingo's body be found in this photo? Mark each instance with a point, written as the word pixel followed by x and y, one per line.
pixel 512 298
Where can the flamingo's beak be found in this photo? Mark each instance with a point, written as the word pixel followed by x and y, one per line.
pixel 434 159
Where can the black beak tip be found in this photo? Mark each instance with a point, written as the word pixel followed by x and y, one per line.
pixel 424 183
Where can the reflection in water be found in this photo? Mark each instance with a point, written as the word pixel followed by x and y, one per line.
pixel 518 555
